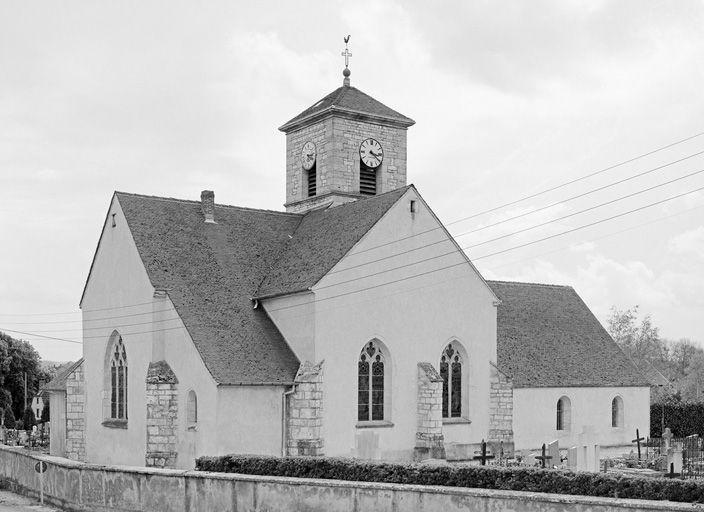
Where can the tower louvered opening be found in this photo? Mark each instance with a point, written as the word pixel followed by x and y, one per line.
pixel 312 188
pixel 367 180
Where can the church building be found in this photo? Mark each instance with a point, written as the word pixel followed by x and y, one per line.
pixel 352 324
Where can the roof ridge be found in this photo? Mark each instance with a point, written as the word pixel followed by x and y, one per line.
pixel 194 201
pixel 546 285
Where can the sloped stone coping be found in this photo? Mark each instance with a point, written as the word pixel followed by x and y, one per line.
pixel 190 490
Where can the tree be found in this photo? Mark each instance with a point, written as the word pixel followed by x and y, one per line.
pixel 45 412
pixel 28 419
pixel 18 357
pixel 9 418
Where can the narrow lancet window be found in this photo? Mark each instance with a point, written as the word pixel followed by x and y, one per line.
pixel 451 373
pixel 118 381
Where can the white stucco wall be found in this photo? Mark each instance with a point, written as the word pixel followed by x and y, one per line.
pixel 535 416
pixel 413 318
pixel 118 279
pixel 249 420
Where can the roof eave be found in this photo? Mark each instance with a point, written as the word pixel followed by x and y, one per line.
pixel 295 123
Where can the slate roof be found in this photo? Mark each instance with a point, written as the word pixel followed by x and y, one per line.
pixel 322 238
pixel 548 337
pixel 58 383
pixel 347 99
pixel 212 271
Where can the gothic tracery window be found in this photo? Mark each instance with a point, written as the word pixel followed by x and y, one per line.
pixel 451 373
pixel 118 381
pixel 370 383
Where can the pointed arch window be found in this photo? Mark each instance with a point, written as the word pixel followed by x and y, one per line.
pixel 192 408
pixel 451 373
pixel 564 414
pixel 617 412
pixel 118 381
pixel 370 383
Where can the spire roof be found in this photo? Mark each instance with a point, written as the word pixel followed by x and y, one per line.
pixel 347 101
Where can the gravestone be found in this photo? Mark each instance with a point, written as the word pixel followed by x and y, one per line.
pixel 589 450
pixel 667 437
pixel 572 457
pixel 529 458
pixel 554 452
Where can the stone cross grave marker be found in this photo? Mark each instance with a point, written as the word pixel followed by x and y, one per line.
pixel 637 440
pixel 543 457
pixel 588 451
pixel 554 451
pixel 482 455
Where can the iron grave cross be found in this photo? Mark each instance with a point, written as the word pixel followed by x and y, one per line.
pixel 638 439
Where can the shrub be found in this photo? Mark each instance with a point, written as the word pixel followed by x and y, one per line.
pixel 28 419
pixel 461 475
pixel 683 418
pixel 46 414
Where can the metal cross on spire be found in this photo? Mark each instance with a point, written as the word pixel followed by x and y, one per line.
pixel 346 54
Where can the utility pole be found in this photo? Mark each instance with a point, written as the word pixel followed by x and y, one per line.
pixel 25 392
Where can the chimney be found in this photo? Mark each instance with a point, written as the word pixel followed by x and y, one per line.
pixel 207 201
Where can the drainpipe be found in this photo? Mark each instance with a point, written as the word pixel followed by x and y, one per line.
pixel 284 410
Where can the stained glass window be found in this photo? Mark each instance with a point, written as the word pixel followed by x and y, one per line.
pixel 370 385
pixel 118 381
pixel 451 373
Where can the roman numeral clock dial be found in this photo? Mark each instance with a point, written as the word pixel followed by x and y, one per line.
pixel 371 153
pixel 308 155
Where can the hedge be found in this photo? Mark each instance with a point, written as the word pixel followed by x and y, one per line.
pixel 461 475
pixel 684 419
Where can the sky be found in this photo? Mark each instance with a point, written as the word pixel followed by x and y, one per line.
pixel 510 98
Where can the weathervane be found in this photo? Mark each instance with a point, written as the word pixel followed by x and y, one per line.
pixel 346 54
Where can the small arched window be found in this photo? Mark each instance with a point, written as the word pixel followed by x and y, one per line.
pixel 564 413
pixel 370 383
pixel 118 381
pixel 617 412
pixel 192 408
pixel 451 373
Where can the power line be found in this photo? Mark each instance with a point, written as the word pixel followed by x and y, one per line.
pixel 81 311
pixel 108 326
pixel 443 240
pixel 485 255
pixel 637 226
pixel 618 182
pixel 454 278
pixel 91 319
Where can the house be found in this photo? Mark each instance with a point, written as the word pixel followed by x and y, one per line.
pixel 66 394
pixel 350 325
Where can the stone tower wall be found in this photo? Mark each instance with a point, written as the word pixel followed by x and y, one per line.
pixel 337 143
pixel 430 442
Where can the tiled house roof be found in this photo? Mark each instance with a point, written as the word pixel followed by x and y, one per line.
pixel 212 271
pixel 351 101
pixel 58 383
pixel 548 337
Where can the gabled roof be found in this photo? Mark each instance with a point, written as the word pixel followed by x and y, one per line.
pixel 349 101
pixel 321 240
pixel 548 337
pixel 58 383
pixel 211 272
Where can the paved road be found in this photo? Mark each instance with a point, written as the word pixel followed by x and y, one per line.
pixel 10 502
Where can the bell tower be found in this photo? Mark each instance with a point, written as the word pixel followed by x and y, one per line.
pixel 344 147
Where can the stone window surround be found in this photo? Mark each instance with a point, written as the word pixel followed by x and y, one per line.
pixel 108 420
pixel 386 354
pixel 565 422
pixel 464 357
pixel 620 423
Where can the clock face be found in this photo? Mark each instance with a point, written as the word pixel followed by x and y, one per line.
pixel 371 153
pixel 308 155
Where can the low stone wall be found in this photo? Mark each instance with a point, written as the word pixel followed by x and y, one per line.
pixel 76 486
